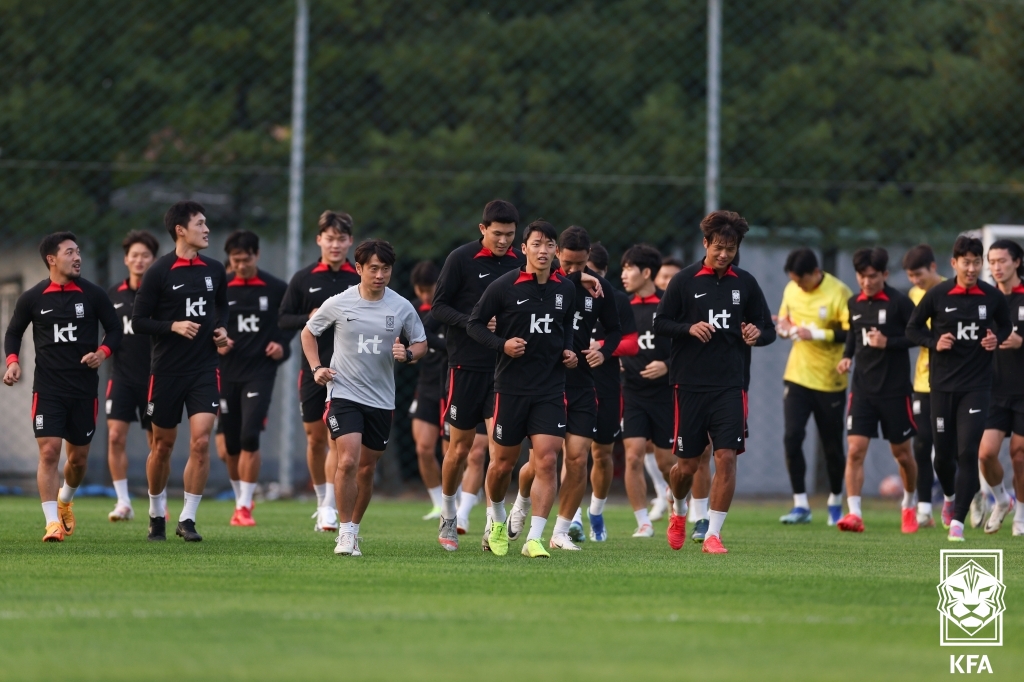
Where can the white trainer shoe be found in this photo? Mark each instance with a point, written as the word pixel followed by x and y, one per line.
pixel 326 520
pixel 995 519
pixel 122 512
pixel 1018 528
pixel 461 525
pixel 979 507
pixel 355 548
pixel 517 521
pixel 345 544
pixel 658 508
pixel 644 531
pixel 562 541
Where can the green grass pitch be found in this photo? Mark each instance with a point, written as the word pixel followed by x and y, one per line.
pixel 274 603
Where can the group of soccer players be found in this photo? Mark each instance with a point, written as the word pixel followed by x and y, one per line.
pixel 526 346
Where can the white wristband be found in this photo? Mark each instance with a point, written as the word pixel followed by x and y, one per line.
pixel 818 334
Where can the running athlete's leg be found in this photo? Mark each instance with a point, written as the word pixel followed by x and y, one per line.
pixel 47 477
pixel 197 469
pixel 230 461
pixel 923 447
pixel 526 476
pixel 857 450
pixel 724 486
pixel 665 460
pixel 702 479
pixel 460 442
pixel 346 484
pixel 544 457
pixel 158 464
pixel 988 456
pixel 1017 460
pixel 364 482
pixel 316 451
pixel 904 456
pixel 425 435
pixel 76 464
pixel 829 411
pixel 797 408
pixel 476 462
pixel 944 439
pixel 117 456
pixel 574 477
pixel 499 473
pixel 249 464
pixel 603 470
pixel 970 415
pixel 636 484
pixel 681 476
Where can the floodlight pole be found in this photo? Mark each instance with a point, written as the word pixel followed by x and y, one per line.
pixel 714 102
pixel 289 397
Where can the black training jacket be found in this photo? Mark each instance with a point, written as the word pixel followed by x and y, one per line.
pixel 131 360
pixel 883 372
pixel 1008 365
pixel 253 306
pixel 650 347
pixel 433 364
pixel 589 311
pixel 308 289
pixel 608 376
pixel 65 326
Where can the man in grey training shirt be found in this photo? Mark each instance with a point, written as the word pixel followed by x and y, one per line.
pixel 368 321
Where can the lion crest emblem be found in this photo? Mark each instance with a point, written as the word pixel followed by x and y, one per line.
pixel 971 597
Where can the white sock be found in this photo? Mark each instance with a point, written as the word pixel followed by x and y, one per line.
pixel 949 498
pixel 924 508
pixel 716 520
pixel 435 496
pixel 121 487
pixel 466 503
pixel 800 500
pixel 537 524
pixel 448 506
pixel 191 507
pixel 329 500
pixel 522 502
pixel 999 492
pixel 561 526
pixel 834 500
pixel 1018 514
pixel 679 506
pixel 245 499
pixel 909 499
pixel 158 505
pixel 853 501
pixel 50 512
pixel 355 528
pixel 642 517
pixel 597 505
pixel 498 513
pixel 651 466
pixel 699 506
pixel 985 487
pixel 237 487
pixel 319 488
pixel 578 516
pixel 66 494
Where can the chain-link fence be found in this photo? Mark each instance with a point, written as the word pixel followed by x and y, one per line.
pixel 841 122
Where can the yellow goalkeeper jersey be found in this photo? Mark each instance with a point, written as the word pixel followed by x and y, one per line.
pixel 812 364
pixel 921 370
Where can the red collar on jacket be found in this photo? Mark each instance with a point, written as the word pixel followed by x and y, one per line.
pixel 324 267
pixel 705 271
pixel 55 288
pixel 974 290
pixel 185 262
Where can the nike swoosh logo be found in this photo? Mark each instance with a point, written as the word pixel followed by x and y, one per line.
pixel 949 310
pixel 973 411
pixel 118 305
pixel 518 302
pixel 907 431
pixel 617 431
pixel 314 290
pixel 176 287
pixel 856 317
pixel 561 426
pixel 386 442
pixel 43 312
pixel 837 404
pixel 89 434
pixel 481 277
pixel 216 405
pixel 232 302
pixel 351 319
pixel 699 295
pixel 251 395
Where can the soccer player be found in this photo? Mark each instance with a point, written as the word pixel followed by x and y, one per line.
pixel 533 311
pixel 608 384
pixel 469 398
pixel 670 265
pixel 182 304
pixel 711 310
pixel 361 379
pixel 573 252
pixel 880 388
pixel 814 315
pixel 65 312
pixel 248 366
pixel 969 319
pixel 330 275
pixel 922 271
pixel 646 393
pixel 426 406
pixel 1006 412
pixel 127 388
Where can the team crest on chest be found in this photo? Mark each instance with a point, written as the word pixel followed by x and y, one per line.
pixel 1020 313
pixel 209 283
pixel 735 296
pixel 558 301
pixel 823 312
pixel 79 310
pixel 588 304
pixel 881 316
pixel 263 303
pixel 982 312
pixel 389 323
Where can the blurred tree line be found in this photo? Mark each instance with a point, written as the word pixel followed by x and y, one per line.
pixel 839 119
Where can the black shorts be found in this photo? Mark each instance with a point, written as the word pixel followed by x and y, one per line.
pixel 469 398
pixel 58 416
pixel 312 398
pixel 609 415
pixel 519 416
pixel 196 393
pixel 715 417
pixel 481 430
pixel 581 411
pixel 127 402
pixel 426 406
pixel 347 416
pixel 921 408
pixel 243 413
pixel 648 414
pixel 1006 414
pixel 895 413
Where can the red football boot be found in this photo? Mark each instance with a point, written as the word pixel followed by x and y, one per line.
pixel 676 531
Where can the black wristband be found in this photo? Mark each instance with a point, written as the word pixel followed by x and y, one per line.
pixel 318 368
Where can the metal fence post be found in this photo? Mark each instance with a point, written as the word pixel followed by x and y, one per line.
pixel 714 96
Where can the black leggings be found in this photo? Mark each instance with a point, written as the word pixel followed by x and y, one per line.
pixel 923 447
pixel 958 422
pixel 799 403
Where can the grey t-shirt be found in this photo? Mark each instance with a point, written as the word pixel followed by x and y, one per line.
pixel 364 332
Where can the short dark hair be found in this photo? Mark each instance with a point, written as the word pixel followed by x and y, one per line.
pixel 801 262
pixel 574 238
pixel 500 211
pixel 1015 250
pixel 179 214
pixel 375 247
pixel 920 256
pixel 599 256
pixel 51 244
pixel 643 256
pixel 672 261
pixel 542 226
pixel 242 240
pixel 876 258
pixel 727 227
pixel 335 220
pixel 968 245
pixel 424 274
pixel 140 237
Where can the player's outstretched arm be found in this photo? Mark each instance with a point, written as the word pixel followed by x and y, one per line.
pixel 448 284
pixel 917 328
pixel 671 309
pixel 489 305
pixel 12 339
pixel 900 341
pixel 145 306
pixel 290 315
